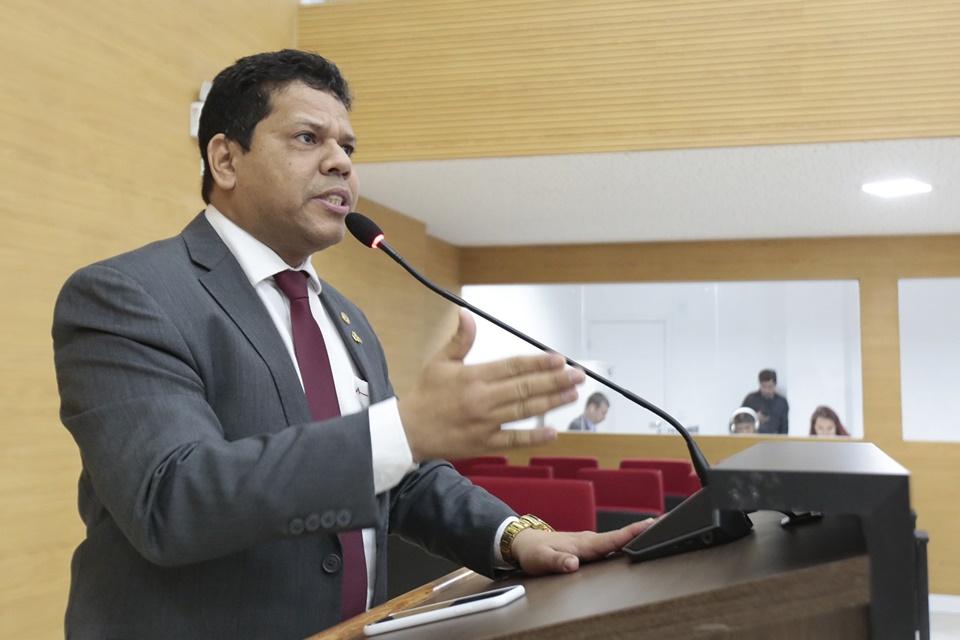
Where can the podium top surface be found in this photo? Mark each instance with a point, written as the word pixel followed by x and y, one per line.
pixel 768 570
pixel 860 458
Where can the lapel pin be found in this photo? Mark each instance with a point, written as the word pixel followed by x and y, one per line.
pixel 344 317
pixel 356 338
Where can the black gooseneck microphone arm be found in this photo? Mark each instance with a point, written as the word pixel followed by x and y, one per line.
pixel 694 524
pixel 367 232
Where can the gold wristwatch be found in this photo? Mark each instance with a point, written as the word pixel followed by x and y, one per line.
pixel 525 522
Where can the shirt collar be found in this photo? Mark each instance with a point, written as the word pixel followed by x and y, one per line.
pixel 258 261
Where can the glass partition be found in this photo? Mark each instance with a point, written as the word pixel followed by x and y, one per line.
pixel 930 358
pixel 693 349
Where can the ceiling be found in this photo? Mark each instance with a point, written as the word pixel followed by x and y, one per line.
pixel 787 191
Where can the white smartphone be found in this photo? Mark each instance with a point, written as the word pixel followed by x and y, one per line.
pixel 445 609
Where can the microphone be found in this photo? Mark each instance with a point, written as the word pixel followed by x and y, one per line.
pixel 693 524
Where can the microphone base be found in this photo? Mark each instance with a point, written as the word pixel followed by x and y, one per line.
pixel 691 525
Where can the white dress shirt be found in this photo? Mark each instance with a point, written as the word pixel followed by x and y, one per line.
pixel 392 458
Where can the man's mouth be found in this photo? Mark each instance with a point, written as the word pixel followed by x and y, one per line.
pixel 333 199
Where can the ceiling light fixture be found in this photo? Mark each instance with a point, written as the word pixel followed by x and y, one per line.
pixel 897 188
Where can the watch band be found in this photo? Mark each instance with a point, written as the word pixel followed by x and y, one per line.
pixel 513 529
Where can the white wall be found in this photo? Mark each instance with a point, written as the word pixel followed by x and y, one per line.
pixel 718 337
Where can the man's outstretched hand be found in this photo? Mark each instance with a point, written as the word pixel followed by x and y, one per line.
pixel 456 410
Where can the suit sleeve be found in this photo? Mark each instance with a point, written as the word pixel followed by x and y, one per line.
pixel 138 393
pixel 448 515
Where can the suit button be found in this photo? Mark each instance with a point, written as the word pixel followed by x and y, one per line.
pixel 331 563
pixel 312 522
pixel 328 520
pixel 343 519
pixel 296 526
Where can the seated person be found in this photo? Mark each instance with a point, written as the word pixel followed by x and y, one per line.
pixel 744 420
pixel 593 414
pixel 825 422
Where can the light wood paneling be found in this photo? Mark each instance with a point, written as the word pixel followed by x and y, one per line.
pixel 95 159
pixel 458 78
pixel 876 262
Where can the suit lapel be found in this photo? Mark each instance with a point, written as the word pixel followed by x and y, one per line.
pixel 356 335
pixel 221 275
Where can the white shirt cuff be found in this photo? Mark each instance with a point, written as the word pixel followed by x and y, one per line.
pixel 498 561
pixel 392 458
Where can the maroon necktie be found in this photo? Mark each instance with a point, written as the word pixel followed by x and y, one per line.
pixel 322 398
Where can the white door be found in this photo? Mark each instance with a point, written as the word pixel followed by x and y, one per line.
pixel 635 353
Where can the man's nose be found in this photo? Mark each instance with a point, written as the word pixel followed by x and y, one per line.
pixel 336 160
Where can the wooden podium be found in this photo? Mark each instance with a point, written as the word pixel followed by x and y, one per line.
pixel 822 579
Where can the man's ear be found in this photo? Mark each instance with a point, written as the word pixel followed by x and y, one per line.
pixel 220 159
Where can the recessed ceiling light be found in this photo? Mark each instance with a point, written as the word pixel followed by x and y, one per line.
pixel 896 188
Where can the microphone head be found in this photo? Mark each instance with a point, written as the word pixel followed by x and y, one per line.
pixel 364 229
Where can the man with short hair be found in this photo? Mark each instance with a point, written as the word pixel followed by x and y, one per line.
pixel 236 483
pixel 593 414
pixel 771 407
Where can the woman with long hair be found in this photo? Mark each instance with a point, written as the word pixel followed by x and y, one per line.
pixel 825 422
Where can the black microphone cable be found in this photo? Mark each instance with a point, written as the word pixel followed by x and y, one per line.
pixel 367 232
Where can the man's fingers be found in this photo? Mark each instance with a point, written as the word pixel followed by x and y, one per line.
pixel 516 366
pixel 515 438
pixel 611 541
pixel 530 395
pixel 518 398
pixel 512 409
pixel 536 384
pixel 553 561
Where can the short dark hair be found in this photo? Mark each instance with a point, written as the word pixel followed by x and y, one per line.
pixel 597 399
pixel 768 375
pixel 239 96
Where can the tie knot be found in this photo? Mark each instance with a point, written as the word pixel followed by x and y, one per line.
pixel 292 283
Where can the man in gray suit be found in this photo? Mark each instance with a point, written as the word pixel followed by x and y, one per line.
pixel 212 499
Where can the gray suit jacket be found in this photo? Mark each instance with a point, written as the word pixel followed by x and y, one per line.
pixel 211 500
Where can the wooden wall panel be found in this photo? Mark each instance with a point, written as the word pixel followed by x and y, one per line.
pixel 95 159
pixel 877 263
pixel 459 78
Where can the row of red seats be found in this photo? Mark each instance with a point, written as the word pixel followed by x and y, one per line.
pixel 679 479
pixel 574 494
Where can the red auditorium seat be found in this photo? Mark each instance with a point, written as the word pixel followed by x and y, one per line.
pixel 677 486
pixel 464 465
pixel 567 505
pixel 565 466
pixel 625 495
pixel 511 470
